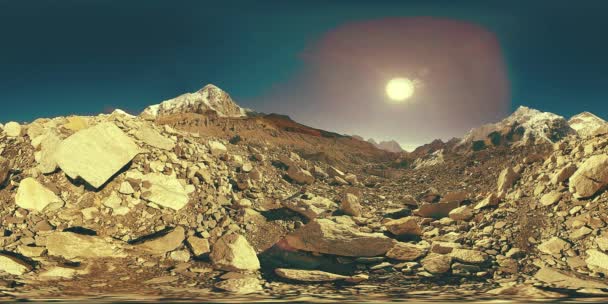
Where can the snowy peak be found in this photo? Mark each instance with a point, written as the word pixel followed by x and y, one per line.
pixel 388 145
pixel 587 124
pixel 524 126
pixel 208 99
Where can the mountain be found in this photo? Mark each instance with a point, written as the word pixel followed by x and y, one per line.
pixel 587 124
pixel 208 99
pixel 389 145
pixel 524 126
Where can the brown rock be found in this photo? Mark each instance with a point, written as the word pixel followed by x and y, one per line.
pixel 437 263
pixel 405 252
pixel 404 226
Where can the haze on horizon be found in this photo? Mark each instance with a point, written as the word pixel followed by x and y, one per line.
pixel 326 66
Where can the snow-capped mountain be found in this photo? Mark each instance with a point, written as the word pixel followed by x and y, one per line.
pixel 524 126
pixel 587 124
pixel 209 98
pixel 388 145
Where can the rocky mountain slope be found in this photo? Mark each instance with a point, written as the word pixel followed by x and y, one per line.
pixel 193 205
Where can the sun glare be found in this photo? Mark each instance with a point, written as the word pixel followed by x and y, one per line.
pixel 399 89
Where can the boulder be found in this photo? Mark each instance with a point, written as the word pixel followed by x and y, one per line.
pixel 563 174
pixel 329 237
pixel 300 175
pixel 437 263
pixel 350 205
pixel 217 148
pixel 12 129
pixel 232 252
pixel 199 246
pixel 95 154
pixel 462 213
pixel 524 291
pixel 468 256
pixel 490 200
pixel 309 206
pixel 70 245
pixel 551 198
pixel 245 285
pixel 506 179
pixel 554 246
pixel 560 279
pixel 404 226
pixel 13 265
pixel 164 190
pixel 46 156
pixel 405 252
pixel 165 243
pixel 437 210
pixel 455 196
pixel 597 261
pixel 591 177
pixel 153 138
pixel 32 195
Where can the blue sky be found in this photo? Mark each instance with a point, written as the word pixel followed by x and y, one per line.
pixel 84 57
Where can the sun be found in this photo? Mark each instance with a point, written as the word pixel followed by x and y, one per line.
pixel 399 89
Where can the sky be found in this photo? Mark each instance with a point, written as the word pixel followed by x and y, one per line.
pixel 323 63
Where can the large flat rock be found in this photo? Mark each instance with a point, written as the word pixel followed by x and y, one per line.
pixel 72 245
pixel 95 154
pixel 329 237
pixel 564 280
pixel 154 138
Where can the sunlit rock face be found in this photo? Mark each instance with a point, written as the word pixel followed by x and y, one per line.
pixel 457 68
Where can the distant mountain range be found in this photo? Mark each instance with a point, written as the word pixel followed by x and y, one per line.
pixel 524 126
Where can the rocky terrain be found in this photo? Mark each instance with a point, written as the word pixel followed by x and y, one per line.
pixel 196 199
